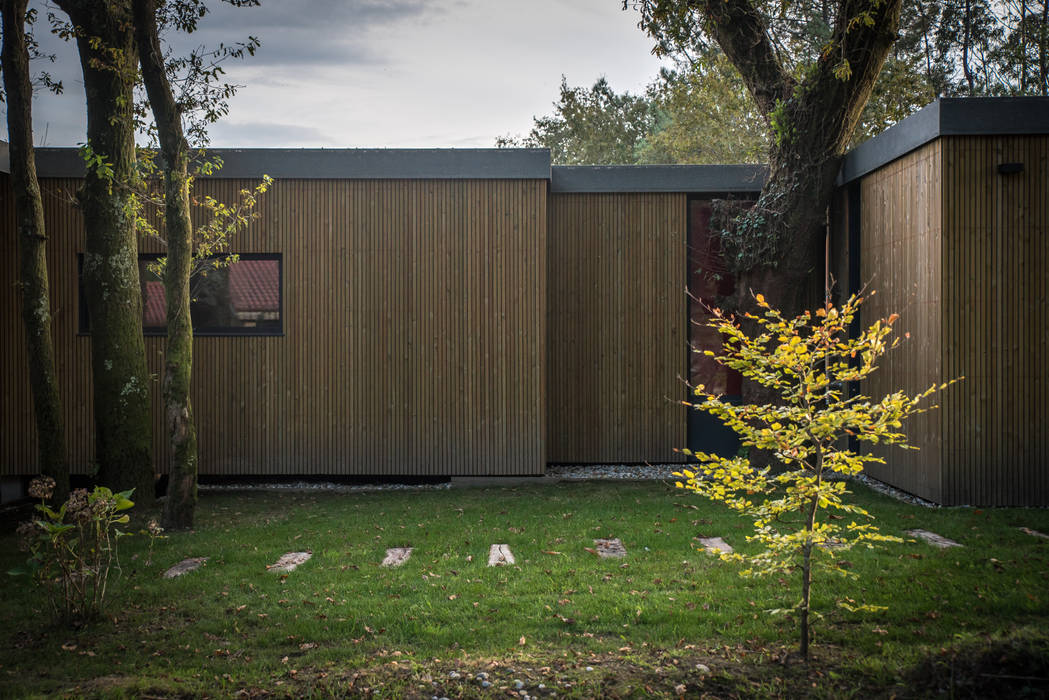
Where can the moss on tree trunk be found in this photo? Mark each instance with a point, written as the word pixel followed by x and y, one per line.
pixel 178 359
pixel 123 426
pixel 32 248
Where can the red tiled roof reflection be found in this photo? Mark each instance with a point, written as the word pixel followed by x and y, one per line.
pixel 254 285
pixel 153 311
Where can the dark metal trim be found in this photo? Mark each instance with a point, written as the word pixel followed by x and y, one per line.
pixel 697 179
pixel 948 116
pixel 348 163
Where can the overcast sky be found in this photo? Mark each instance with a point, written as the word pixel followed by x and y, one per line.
pixel 391 73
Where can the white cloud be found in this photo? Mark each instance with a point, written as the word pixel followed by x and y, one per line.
pixel 395 73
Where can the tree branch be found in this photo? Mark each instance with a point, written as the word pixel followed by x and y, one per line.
pixel 742 35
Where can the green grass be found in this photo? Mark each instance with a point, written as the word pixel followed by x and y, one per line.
pixel 341 624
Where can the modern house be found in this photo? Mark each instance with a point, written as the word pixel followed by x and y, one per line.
pixel 479 312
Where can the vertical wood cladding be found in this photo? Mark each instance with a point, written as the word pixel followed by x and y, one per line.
pixel 414 335
pixel 996 329
pixel 616 315
pixel 960 251
pixel 900 262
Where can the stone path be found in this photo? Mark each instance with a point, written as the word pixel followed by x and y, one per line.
pixel 396 556
pixel 933 539
pixel 290 561
pixel 500 555
pixel 715 545
pixel 610 549
pixel 185 566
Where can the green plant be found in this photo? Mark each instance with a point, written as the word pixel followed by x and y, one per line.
pixel 808 361
pixel 72 550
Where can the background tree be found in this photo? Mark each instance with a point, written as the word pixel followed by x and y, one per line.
pixel 705 114
pixel 591 125
pixel 109 62
pixel 32 246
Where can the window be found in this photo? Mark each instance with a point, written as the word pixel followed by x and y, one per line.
pixel 241 299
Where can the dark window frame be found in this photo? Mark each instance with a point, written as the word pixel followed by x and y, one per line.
pixel 83 321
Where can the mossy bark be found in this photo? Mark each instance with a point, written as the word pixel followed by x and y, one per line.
pixel 32 248
pixel 178 357
pixel 123 426
pixel 776 247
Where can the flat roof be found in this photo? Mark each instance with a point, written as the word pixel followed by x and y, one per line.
pixel 447 164
pixel 696 179
pixel 948 116
pixel 349 163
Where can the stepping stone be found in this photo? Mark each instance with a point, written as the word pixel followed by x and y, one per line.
pixel 185 566
pixel 500 555
pixel 290 561
pixel 610 549
pixel 396 556
pixel 933 539
pixel 715 545
pixel 1034 533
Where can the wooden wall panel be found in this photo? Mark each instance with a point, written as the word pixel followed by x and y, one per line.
pixel 900 262
pixel 414 335
pixel 616 314
pixel 996 326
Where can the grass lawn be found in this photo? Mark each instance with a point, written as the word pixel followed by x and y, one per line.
pixel 970 621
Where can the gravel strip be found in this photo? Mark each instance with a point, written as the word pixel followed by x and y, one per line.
pixel 564 472
pixel 320 486
pixel 635 472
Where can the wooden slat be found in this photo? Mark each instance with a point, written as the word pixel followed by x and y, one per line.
pixel 615 327
pixel 899 259
pixel 414 335
pixel 977 281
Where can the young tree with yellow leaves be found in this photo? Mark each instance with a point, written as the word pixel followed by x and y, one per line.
pixel 809 362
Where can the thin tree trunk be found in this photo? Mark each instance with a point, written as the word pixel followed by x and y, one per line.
pixel 966 41
pixel 178 358
pixel 806 565
pixel 1043 39
pixel 806 590
pixel 1023 47
pixel 123 425
pixel 32 240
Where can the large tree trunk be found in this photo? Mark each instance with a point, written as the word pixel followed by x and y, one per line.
pixel 774 247
pixel 123 426
pixel 178 359
pixel 32 244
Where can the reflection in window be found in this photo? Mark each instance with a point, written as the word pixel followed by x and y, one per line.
pixel 243 298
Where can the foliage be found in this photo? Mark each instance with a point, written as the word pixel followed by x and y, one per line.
pixel 706 116
pixel 808 361
pixel 591 126
pixel 696 113
pixel 72 550
pixel 212 239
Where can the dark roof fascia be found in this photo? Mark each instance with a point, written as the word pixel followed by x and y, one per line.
pixel 694 179
pixel 948 116
pixel 349 163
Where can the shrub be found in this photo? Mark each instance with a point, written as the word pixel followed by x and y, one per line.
pixel 72 550
pixel 809 362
